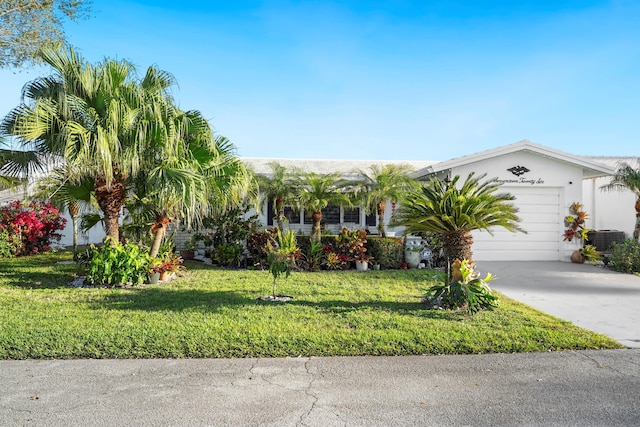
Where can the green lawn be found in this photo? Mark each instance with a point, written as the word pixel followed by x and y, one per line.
pixel 210 312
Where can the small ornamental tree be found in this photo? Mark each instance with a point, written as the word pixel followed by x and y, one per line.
pixel 37 224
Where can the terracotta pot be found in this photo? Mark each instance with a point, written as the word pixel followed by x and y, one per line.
pixel 576 257
pixel 165 275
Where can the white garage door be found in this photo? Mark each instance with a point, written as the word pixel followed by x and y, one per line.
pixel 540 217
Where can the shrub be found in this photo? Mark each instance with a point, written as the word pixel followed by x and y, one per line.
pixel 257 246
pixel 625 256
pixel 466 290
pixel 9 244
pixel 120 264
pixel 386 251
pixel 35 223
pixel 229 254
pixel 228 227
pixel 351 244
pixel 316 256
pixel 304 242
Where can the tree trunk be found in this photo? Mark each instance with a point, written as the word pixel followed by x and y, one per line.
pixel 275 295
pixel 111 199
pixel 316 232
pixel 457 245
pixel 280 212
pixel 382 206
pixel 74 210
pixel 636 230
pixel 158 229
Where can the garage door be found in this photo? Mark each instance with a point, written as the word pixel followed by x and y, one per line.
pixel 539 211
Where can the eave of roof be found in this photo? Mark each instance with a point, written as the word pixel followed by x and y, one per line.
pixel 590 168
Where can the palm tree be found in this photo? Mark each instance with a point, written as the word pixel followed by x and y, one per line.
pixel 277 188
pixel 626 177
pixel 66 193
pixel 315 192
pixel 208 179
pixel 96 119
pixel 452 212
pixel 16 165
pixel 384 183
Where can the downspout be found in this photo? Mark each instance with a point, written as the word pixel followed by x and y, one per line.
pixel 593 202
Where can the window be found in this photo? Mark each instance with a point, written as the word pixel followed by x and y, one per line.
pixel 371 219
pixel 351 215
pixel 330 215
pixel 292 214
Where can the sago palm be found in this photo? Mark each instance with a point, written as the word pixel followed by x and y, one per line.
pixel 278 188
pixel 384 183
pixel 317 191
pixel 453 211
pixel 628 178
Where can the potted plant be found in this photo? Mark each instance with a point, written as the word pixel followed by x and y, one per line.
pixel 351 247
pixel 575 223
pixel 170 264
pixel 591 254
pixel 362 261
pixel 412 255
pixel 190 247
pixel 155 268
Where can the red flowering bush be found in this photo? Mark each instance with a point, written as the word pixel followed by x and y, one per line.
pixel 36 223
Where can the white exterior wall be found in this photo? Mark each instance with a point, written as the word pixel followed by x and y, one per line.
pixel 609 210
pixel 544 172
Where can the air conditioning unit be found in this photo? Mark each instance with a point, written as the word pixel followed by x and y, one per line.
pixel 602 239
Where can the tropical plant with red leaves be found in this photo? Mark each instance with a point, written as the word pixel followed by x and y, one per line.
pixel 37 224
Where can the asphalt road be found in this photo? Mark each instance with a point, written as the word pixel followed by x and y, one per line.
pixel 583 388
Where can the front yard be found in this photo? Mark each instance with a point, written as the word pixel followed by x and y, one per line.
pixel 212 312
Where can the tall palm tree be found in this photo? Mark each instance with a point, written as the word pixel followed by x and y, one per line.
pixel 277 188
pixel 66 193
pixel 455 211
pixel 384 183
pixel 317 191
pixel 106 125
pixel 628 178
pixel 86 115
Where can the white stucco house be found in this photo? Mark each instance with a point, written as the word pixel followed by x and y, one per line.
pixel 545 182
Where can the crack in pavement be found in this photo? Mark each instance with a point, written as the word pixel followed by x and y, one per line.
pixel 307 391
pixel 603 366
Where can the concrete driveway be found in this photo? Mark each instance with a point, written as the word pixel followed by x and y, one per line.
pixel 589 296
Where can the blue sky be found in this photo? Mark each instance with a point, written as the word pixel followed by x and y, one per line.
pixel 419 80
